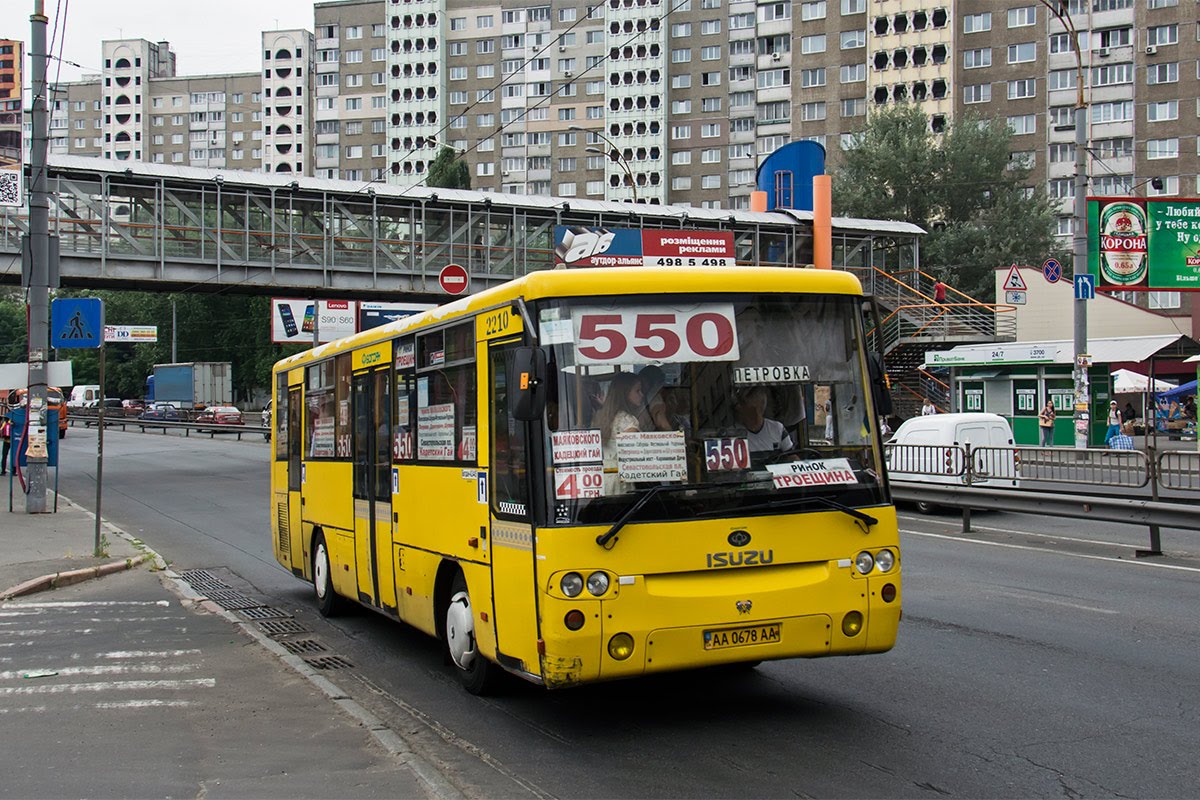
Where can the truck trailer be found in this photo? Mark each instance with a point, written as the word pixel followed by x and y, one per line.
pixel 194 384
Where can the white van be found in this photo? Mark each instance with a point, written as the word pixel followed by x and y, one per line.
pixel 931 449
pixel 83 395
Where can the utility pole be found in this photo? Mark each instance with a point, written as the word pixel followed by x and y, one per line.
pixel 1081 417
pixel 38 289
pixel 174 337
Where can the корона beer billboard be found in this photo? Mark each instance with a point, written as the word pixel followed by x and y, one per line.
pixel 1144 244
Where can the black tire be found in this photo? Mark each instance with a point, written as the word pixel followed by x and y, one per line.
pixel 328 602
pixel 477 675
pixel 926 508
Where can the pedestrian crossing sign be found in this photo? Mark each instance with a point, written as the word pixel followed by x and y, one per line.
pixel 76 323
pixel 1014 282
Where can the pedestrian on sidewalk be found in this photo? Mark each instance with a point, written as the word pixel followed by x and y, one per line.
pixel 929 408
pixel 5 439
pixel 1046 423
pixel 1114 421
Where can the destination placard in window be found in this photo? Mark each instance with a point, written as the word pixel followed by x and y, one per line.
pixel 573 447
pixel 819 472
pixel 651 456
pixel 794 373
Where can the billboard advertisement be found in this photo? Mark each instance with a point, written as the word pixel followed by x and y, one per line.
pixel 1144 244
pixel 576 246
pixel 294 321
pixel 372 315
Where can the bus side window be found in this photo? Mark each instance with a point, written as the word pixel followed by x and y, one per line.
pixel 509 479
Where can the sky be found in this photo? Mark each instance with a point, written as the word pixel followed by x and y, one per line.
pixel 208 36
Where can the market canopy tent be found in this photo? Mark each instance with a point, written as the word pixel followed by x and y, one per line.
pixel 1179 392
pixel 1126 381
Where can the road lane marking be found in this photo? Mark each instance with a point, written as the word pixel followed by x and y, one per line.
pixel 148 653
pixel 1137 562
pixel 106 686
pixel 958 522
pixel 106 669
pixel 88 604
pixel 1038 598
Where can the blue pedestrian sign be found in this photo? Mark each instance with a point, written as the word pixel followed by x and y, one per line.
pixel 77 323
pixel 1085 287
pixel 1052 270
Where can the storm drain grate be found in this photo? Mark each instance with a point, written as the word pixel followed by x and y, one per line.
pixel 197 575
pixel 280 627
pixel 237 603
pixel 225 593
pixel 262 612
pixel 328 662
pixel 203 581
pixel 301 646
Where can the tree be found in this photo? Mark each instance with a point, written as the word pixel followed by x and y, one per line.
pixel 962 186
pixel 448 171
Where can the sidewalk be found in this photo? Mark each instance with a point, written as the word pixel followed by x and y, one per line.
pixel 202 709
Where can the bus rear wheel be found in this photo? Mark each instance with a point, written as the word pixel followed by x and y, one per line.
pixel 328 602
pixel 477 674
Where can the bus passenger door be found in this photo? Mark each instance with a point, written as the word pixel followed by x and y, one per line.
pixel 514 577
pixel 371 445
pixel 288 443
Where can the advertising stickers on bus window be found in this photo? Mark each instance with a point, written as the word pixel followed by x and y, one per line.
pixel 651 456
pixel 577 457
pixel 466 448
pixel 406 356
pixel 435 432
pixel 818 472
pixel 655 334
pixel 323 439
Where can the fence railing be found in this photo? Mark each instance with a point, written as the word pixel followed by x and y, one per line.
pixel 186 426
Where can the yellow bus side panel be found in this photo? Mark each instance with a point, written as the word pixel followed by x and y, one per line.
pixel 341 563
pixel 416 574
pixel 327 497
pixel 514 583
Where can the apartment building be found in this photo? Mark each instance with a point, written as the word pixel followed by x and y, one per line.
pixel 11 55
pixel 663 101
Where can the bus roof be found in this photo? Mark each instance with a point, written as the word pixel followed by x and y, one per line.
pixel 566 283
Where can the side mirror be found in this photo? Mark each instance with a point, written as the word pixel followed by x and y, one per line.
pixel 527 382
pixel 881 393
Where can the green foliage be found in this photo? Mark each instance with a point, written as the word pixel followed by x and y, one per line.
pixel 960 186
pixel 212 327
pixel 448 171
pixel 14 342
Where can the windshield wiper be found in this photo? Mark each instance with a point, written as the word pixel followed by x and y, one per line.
pixel 862 517
pixel 647 493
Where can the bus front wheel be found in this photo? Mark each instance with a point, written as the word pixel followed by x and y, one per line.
pixel 327 599
pixel 478 675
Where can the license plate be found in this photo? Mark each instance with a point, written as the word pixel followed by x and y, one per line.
pixel 741 637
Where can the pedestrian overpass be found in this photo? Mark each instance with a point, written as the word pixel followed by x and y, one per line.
pixel 135 225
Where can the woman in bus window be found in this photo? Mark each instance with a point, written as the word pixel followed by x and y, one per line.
pixel 618 414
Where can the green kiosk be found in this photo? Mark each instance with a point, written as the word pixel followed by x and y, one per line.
pixel 1014 379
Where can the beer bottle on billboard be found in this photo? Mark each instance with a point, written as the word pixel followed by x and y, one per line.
pixel 1123 258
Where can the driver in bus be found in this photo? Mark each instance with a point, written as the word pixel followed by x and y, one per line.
pixel 762 433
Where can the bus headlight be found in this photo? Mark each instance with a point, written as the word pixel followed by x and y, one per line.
pixel 852 623
pixel 863 562
pixel 885 560
pixel 597 583
pixel 571 584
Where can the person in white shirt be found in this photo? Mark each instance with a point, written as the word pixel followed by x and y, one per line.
pixel 928 408
pixel 762 434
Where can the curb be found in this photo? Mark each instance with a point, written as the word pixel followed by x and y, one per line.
pixel 59 579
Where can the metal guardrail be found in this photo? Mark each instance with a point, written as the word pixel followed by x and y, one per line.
pixel 958 476
pixel 188 427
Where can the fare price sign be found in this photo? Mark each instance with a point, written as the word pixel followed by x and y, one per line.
pixel 655 334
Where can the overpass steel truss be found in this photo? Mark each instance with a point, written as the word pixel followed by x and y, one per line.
pixel 133 225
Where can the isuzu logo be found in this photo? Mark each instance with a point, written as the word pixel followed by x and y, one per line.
pixel 740 558
pixel 744 606
pixel 739 539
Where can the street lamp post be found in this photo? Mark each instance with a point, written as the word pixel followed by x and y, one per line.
pixel 613 154
pixel 1061 10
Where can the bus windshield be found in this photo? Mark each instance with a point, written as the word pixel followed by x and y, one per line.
pixel 738 404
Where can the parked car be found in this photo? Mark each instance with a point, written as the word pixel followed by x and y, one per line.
pixel 161 411
pixel 220 415
pixel 133 406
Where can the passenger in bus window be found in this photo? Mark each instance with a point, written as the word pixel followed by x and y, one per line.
pixel 619 414
pixel 654 416
pixel 762 432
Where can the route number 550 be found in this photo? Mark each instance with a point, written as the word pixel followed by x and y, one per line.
pixel 655 334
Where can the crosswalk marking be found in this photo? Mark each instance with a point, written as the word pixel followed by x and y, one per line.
pixel 106 669
pixel 106 686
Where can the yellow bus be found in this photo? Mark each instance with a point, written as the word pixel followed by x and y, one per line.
pixel 586 475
